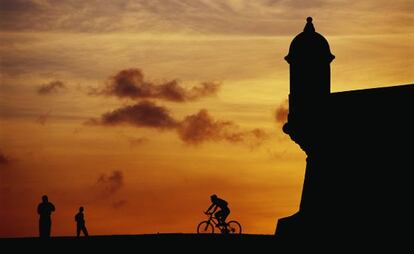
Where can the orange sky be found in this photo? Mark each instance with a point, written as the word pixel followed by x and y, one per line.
pixel 146 161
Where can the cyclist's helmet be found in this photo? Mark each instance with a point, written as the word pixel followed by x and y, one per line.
pixel 213 197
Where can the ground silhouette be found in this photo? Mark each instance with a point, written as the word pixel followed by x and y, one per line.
pixel 359 153
pixel 150 243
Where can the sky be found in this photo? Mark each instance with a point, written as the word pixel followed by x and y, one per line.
pixel 139 110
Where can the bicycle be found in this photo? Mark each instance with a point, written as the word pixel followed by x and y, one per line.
pixel 207 226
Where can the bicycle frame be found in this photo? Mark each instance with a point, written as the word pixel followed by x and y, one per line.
pixel 213 220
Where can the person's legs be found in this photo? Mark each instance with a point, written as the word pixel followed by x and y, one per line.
pixel 47 225
pixel 44 228
pixel 219 217
pixel 41 229
pixel 226 213
pixel 84 230
pixel 78 230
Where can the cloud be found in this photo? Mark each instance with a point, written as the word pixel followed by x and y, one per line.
pixel 51 87
pixel 43 118
pixel 111 184
pixel 201 127
pixel 18 5
pixel 193 129
pixel 282 112
pixel 142 114
pixel 130 83
pixel 201 16
pixel 4 159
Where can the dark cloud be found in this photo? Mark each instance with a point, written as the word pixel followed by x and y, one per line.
pixel 282 112
pixel 51 87
pixel 110 184
pixel 4 160
pixel 130 83
pixel 18 6
pixel 142 114
pixel 43 118
pixel 201 127
pixel 194 129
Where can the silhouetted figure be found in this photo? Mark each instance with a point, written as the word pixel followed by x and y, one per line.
pixel 45 209
pixel 80 223
pixel 224 211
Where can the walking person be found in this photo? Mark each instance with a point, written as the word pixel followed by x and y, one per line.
pixel 80 223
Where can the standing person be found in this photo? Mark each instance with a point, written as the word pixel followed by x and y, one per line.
pixel 45 210
pixel 80 223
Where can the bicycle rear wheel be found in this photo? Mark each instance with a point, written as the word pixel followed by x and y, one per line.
pixel 205 227
pixel 234 227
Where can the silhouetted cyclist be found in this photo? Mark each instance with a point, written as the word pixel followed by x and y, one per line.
pixel 80 223
pixel 224 211
pixel 45 209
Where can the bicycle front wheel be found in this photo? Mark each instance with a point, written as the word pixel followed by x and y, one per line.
pixel 234 227
pixel 205 227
